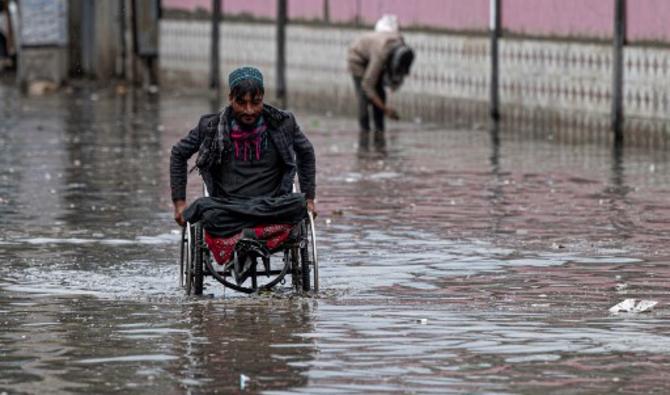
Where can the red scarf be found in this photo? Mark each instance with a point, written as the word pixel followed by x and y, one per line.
pixel 246 139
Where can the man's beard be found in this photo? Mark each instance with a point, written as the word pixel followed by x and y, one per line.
pixel 247 124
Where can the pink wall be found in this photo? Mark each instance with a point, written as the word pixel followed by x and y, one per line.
pixel 188 5
pixel 259 8
pixel 344 10
pixel 590 18
pixel 451 14
pixel 648 20
pixel 305 9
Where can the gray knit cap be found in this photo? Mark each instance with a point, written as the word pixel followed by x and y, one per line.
pixel 244 73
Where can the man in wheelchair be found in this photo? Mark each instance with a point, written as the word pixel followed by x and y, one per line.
pixel 248 156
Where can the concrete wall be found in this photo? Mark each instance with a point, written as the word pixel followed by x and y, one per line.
pixel 95 38
pixel 42 64
pixel 43 55
pixel 107 39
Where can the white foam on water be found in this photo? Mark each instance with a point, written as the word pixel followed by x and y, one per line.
pixel 165 238
pixel 47 290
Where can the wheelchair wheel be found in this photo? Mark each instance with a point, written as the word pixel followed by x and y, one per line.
pixel 304 270
pixel 308 251
pixel 193 270
pixel 183 245
pixel 198 275
pixel 188 278
pixel 304 259
pixel 299 268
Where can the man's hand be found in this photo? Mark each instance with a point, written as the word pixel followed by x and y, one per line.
pixel 391 113
pixel 179 206
pixel 388 110
pixel 311 207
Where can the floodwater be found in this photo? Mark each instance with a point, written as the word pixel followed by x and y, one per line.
pixel 452 261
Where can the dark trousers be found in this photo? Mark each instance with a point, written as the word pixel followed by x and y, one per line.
pixel 3 45
pixel 364 105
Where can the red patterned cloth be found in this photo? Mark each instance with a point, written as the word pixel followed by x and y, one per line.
pixel 222 248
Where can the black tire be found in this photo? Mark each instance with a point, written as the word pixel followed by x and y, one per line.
pixel 296 275
pixel 188 266
pixel 198 261
pixel 305 261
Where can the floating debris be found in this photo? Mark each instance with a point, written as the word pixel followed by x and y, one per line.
pixel 633 306
pixel 243 381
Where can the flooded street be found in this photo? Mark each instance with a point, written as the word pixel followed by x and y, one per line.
pixel 453 261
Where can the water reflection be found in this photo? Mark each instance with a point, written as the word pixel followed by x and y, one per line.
pixel 114 170
pixel 495 186
pixel 377 146
pixel 616 194
pixel 32 163
pixel 75 342
pixel 260 339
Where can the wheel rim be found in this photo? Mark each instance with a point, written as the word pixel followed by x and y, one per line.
pixel 181 256
pixel 315 259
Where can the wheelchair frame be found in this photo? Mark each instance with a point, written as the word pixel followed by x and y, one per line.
pixel 299 259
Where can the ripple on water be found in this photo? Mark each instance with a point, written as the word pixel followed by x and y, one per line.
pixel 129 358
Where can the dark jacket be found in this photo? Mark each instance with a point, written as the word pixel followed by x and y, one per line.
pixel 214 150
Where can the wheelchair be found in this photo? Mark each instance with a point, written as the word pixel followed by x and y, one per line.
pixel 266 266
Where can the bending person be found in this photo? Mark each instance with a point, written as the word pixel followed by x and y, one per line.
pixel 377 60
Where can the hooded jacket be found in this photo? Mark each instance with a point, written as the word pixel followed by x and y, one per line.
pixel 214 146
pixel 368 55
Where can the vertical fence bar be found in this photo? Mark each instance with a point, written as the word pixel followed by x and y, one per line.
pixel 494 104
pixel 617 69
pixel 282 11
pixel 214 59
pixel 326 11
pixel 129 40
pixel 122 39
pixel 11 42
pixel 359 19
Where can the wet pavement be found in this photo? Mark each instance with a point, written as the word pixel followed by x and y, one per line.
pixel 452 261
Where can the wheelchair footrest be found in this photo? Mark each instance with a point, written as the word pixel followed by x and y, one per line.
pixel 247 252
